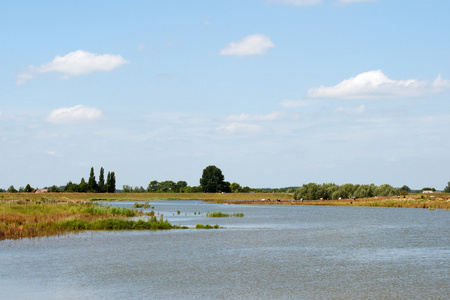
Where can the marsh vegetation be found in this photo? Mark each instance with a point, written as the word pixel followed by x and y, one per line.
pixel 45 217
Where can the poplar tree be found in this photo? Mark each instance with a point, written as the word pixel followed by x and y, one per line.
pixel 101 181
pixel 92 184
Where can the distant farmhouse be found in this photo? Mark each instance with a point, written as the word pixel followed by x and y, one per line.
pixel 38 191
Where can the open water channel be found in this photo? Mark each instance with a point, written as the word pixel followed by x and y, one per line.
pixel 273 252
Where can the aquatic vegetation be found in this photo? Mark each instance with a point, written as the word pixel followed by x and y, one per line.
pixel 146 204
pixel 219 214
pixel 201 226
pixel 22 218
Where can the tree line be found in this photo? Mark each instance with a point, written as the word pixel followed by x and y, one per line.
pixel 92 186
pixel 213 181
pixel 314 191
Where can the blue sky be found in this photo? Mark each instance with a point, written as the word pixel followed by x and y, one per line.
pixel 274 93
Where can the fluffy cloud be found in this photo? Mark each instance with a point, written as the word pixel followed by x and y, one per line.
pixel 75 63
pixel 374 84
pixel 255 44
pixel 76 114
pixel 296 2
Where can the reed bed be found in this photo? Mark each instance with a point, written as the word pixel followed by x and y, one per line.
pixel 219 214
pixel 21 218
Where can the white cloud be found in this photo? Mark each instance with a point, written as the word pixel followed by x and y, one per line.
pixel 76 114
pixel 440 84
pixel 296 2
pixel 74 63
pixel 239 128
pixel 351 110
pixel 273 116
pixel 374 84
pixel 255 44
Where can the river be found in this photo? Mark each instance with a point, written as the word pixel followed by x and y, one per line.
pixel 273 252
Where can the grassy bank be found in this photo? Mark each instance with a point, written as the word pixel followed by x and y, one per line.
pixel 36 218
pixel 144 196
pixel 436 201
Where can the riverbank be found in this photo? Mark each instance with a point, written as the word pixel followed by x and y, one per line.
pixel 143 196
pixel 437 201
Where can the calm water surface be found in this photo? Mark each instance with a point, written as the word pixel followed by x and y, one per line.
pixel 273 252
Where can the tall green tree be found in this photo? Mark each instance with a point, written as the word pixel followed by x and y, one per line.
pixel 101 181
pixel 212 180
pixel 111 183
pixel 92 183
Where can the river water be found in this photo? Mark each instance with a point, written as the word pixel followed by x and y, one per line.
pixel 273 252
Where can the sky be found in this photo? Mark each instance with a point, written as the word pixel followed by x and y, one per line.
pixel 275 93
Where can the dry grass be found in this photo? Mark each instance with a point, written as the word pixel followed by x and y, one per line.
pixel 436 201
pixel 144 196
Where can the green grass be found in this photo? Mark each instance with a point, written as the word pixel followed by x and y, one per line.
pixel 151 223
pixel 219 214
pixel 201 226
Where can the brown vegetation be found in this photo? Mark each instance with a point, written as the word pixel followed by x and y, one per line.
pixel 436 201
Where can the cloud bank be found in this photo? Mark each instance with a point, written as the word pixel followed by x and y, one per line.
pixel 376 85
pixel 255 44
pixel 74 63
pixel 75 114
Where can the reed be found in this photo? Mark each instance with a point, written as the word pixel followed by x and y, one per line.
pixel 44 218
pixel 219 214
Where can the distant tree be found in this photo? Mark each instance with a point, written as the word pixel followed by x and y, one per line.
pixel 11 189
pixel 53 189
pixel 127 189
pixel 192 189
pixel 212 180
pixel 70 187
pixel 28 189
pixel 180 186
pixel 92 183
pixel 245 189
pixel 153 186
pixel 235 187
pixel 110 186
pixel 405 188
pixel 101 181
pixel 83 186
pixel 2 191
pixel 167 186
pixel 447 188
